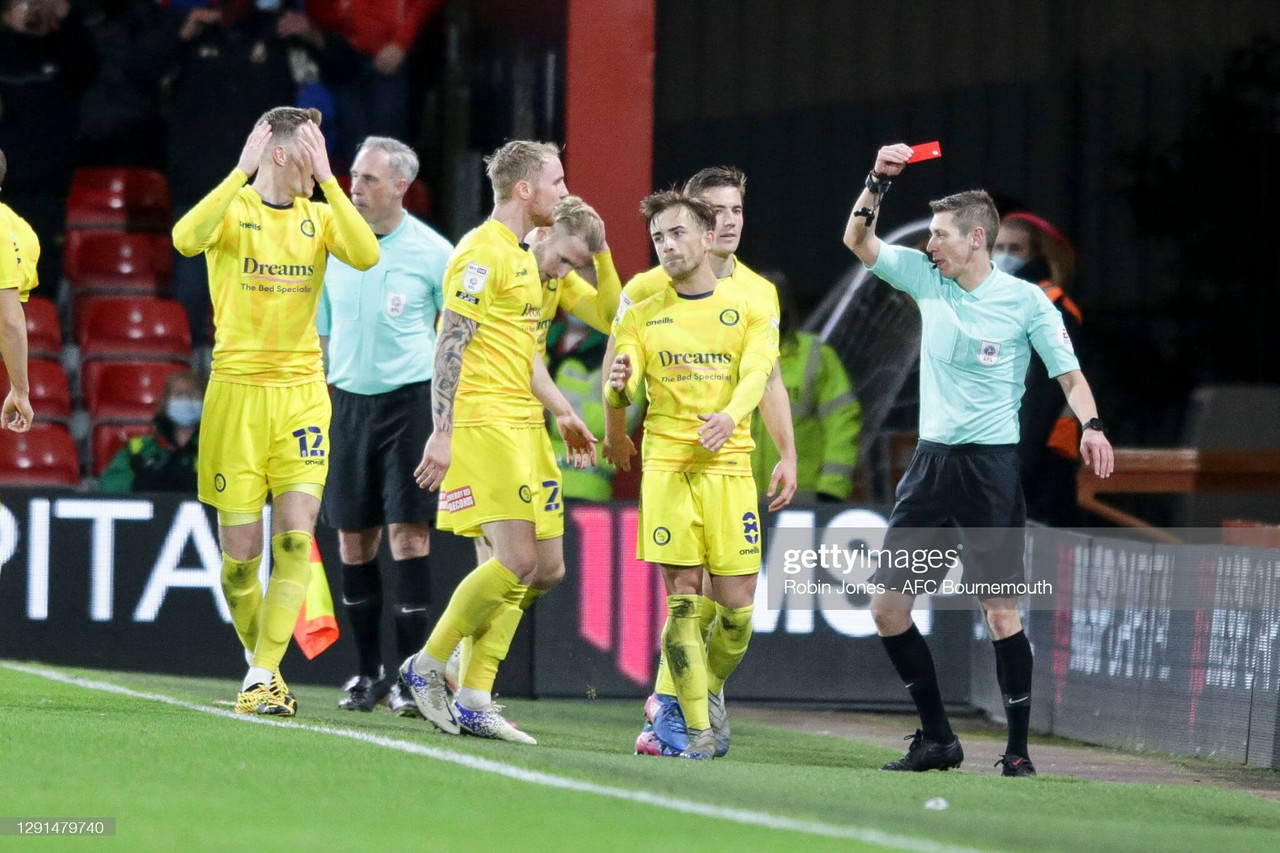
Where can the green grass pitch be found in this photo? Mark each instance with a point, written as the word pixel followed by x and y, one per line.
pixel 177 778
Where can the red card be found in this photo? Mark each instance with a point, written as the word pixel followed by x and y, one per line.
pixel 925 151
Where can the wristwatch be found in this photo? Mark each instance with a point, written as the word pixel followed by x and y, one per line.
pixel 1094 423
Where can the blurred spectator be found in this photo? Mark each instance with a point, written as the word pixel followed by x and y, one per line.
pixel 1029 247
pixel 46 61
pixel 365 45
pixel 120 123
pixel 224 66
pixel 166 460
pixel 824 410
pixel 575 352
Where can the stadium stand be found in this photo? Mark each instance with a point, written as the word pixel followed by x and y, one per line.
pixel 118 198
pixel 41 457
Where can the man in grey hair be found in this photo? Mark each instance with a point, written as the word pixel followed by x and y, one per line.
pixel 380 326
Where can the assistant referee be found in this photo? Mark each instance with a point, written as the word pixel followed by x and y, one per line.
pixel 978 328
pixel 381 329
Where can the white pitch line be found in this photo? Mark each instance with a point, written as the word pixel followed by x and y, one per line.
pixel 536 777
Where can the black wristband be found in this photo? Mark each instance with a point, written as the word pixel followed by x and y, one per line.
pixel 1093 423
pixel 877 183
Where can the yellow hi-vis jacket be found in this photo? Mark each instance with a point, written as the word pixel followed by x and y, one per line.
pixel 827 420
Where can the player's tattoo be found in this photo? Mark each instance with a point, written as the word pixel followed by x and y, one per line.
pixel 456 332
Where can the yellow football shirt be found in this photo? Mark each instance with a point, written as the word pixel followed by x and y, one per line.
pixel 492 278
pixel 698 355
pixel 266 267
pixel 18 266
pixel 650 282
pixel 594 306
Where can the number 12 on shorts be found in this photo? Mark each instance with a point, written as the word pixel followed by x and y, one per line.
pixel 317 438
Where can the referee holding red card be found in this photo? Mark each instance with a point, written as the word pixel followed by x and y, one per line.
pixel 979 325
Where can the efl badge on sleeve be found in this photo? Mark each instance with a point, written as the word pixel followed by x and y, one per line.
pixel 988 353
pixel 474 278
pixel 1066 341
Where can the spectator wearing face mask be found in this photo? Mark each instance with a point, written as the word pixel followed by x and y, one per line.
pixel 164 461
pixel 1029 247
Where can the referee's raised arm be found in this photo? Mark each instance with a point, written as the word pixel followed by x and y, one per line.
pixel 860 231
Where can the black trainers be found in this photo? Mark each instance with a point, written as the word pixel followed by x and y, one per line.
pixel 1016 765
pixel 364 693
pixel 928 755
pixel 400 701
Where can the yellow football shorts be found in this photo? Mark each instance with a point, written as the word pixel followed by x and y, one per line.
pixel 258 438
pixel 710 520
pixel 499 473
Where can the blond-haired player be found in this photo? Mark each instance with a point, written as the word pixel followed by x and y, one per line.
pixel 484 452
pixel 266 413
pixel 705 350
pixel 568 253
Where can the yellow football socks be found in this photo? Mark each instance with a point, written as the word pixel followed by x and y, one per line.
pixel 485 650
pixel 243 592
pixel 728 644
pixel 684 651
pixel 706 618
pixel 286 593
pixel 479 595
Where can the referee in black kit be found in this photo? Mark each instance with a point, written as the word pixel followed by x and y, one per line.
pixel 382 338
pixel 978 326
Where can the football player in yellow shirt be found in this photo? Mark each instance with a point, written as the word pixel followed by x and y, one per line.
pixel 266 412
pixel 705 350
pixel 575 242
pixel 724 188
pixel 483 454
pixel 19 251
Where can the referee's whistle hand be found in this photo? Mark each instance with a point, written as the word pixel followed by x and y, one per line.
pixel 436 457
pixel 715 430
pixel 892 159
pixel 1097 453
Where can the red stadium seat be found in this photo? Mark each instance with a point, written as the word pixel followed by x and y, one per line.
pixel 50 393
pixel 113 260
pixel 134 327
pixel 41 457
pixel 123 199
pixel 109 438
pixel 126 390
pixel 44 333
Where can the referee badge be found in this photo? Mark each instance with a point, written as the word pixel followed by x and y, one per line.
pixel 395 304
pixel 988 353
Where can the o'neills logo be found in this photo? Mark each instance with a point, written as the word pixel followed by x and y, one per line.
pixel 669 358
pixel 254 267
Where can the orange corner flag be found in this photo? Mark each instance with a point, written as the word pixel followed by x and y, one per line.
pixel 317 627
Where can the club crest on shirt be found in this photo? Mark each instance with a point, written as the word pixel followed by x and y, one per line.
pixel 988 353
pixel 474 278
pixel 395 304
pixel 308 228
pixel 729 317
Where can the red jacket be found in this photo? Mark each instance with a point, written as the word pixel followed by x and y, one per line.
pixel 370 25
